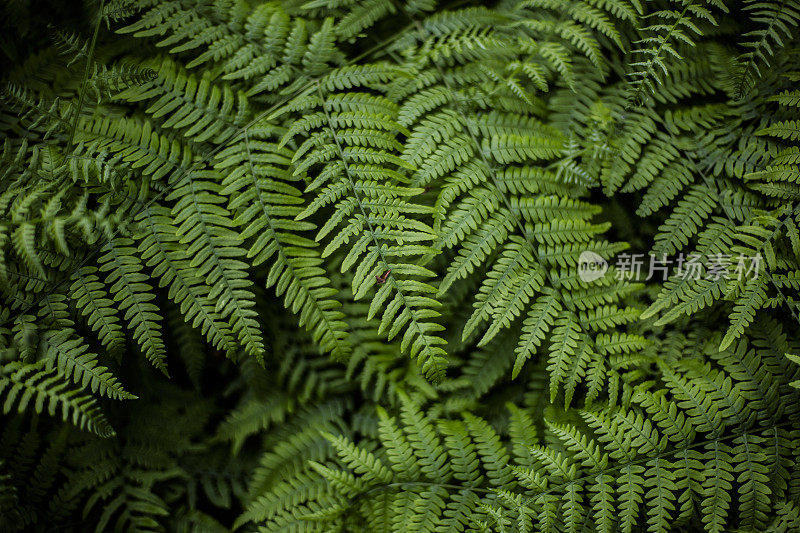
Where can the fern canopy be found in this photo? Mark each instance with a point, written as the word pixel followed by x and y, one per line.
pixel 337 265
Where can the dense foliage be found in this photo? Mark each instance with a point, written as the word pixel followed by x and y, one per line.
pixel 316 265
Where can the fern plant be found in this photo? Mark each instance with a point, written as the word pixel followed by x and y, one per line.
pixel 282 265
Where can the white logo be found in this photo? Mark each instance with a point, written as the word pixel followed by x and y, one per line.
pixel 591 266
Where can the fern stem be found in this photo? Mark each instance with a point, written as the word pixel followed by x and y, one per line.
pixel 85 82
pixel 741 85
pixel 280 248
pixel 378 245
pixel 641 83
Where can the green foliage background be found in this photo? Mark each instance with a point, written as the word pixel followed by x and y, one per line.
pixel 312 265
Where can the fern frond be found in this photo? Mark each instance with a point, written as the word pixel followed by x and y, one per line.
pixel 127 282
pixel 215 252
pixel 65 350
pixel 774 22
pixel 24 385
pixel 262 177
